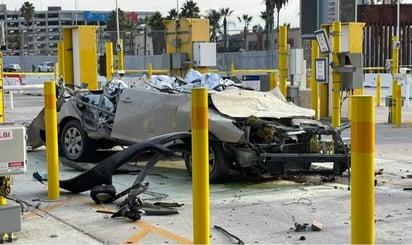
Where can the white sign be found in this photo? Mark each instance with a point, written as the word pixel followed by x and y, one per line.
pixel 323 41
pixel 321 69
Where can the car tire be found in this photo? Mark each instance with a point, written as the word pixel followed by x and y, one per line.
pixel 218 164
pixel 74 142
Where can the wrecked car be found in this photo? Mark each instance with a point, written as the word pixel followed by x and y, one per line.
pixel 256 133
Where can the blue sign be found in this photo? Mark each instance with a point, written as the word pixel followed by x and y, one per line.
pixel 96 16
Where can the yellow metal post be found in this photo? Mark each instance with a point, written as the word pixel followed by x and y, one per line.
pixel 120 53
pixel 398 106
pixel 378 90
pixel 395 70
pixel 272 80
pixel 2 116
pixel 3 201
pixel 109 60
pixel 336 78
pixel 314 85
pixel 232 69
pixel 283 59
pixel 362 166
pixel 149 70
pixel 51 140
pixel 60 58
pixel 200 166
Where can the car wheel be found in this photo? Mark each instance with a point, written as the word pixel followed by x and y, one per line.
pixel 75 143
pixel 218 165
pixel 340 167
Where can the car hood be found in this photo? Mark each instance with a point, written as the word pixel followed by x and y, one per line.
pixel 241 103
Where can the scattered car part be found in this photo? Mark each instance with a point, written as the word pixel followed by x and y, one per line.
pixel 103 171
pixel 238 240
pixel 103 193
pixel 301 227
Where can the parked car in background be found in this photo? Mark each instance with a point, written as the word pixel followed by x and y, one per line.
pixel 47 66
pixel 12 68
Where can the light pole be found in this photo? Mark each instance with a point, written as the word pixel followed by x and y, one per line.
pixel 119 44
pixel 117 24
pixel 397 22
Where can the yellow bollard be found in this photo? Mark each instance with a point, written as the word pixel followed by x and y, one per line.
pixel 200 166
pixel 272 80
pixel 283 59
pixel 314 84
pixel 395 70
pixel 3 201
pixel 398 106
pixel 336 78
pixel 362 166
pixel 149 70
pixel 232 69
pixel 109 60
pixel 51 140
pixel 120 55
pixel 378 90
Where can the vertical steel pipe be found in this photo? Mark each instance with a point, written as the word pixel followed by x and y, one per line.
pixel 362 170
pixel 51 140
pixel 336 77
pixel 200 166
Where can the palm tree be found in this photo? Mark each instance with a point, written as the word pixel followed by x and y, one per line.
pixel 265 17
pixel 269 12
pixel 172 14
pixel 27 11
pixel 271 5
pixel 214 17
pixel 190 10
pixel 123 23
pixel 225 12
pixel 246 19
pixel 157 33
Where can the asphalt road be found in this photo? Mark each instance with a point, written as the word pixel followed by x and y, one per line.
pixel 254 211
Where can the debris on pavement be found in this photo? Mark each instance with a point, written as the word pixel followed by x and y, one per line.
pixel 301 227
pixel 379 171
pixel 316 225
pixel 238 240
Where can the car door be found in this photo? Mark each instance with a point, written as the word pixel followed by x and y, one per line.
pixel 141 114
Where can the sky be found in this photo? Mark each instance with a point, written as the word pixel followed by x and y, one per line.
pixel 289 14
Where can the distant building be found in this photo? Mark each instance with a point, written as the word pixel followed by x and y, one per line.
pixel 45 30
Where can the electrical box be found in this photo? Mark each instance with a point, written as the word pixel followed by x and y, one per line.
pixel 351 68
pixel 204 54
pixel 295 61
pixel 12 149
pixel 10 218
